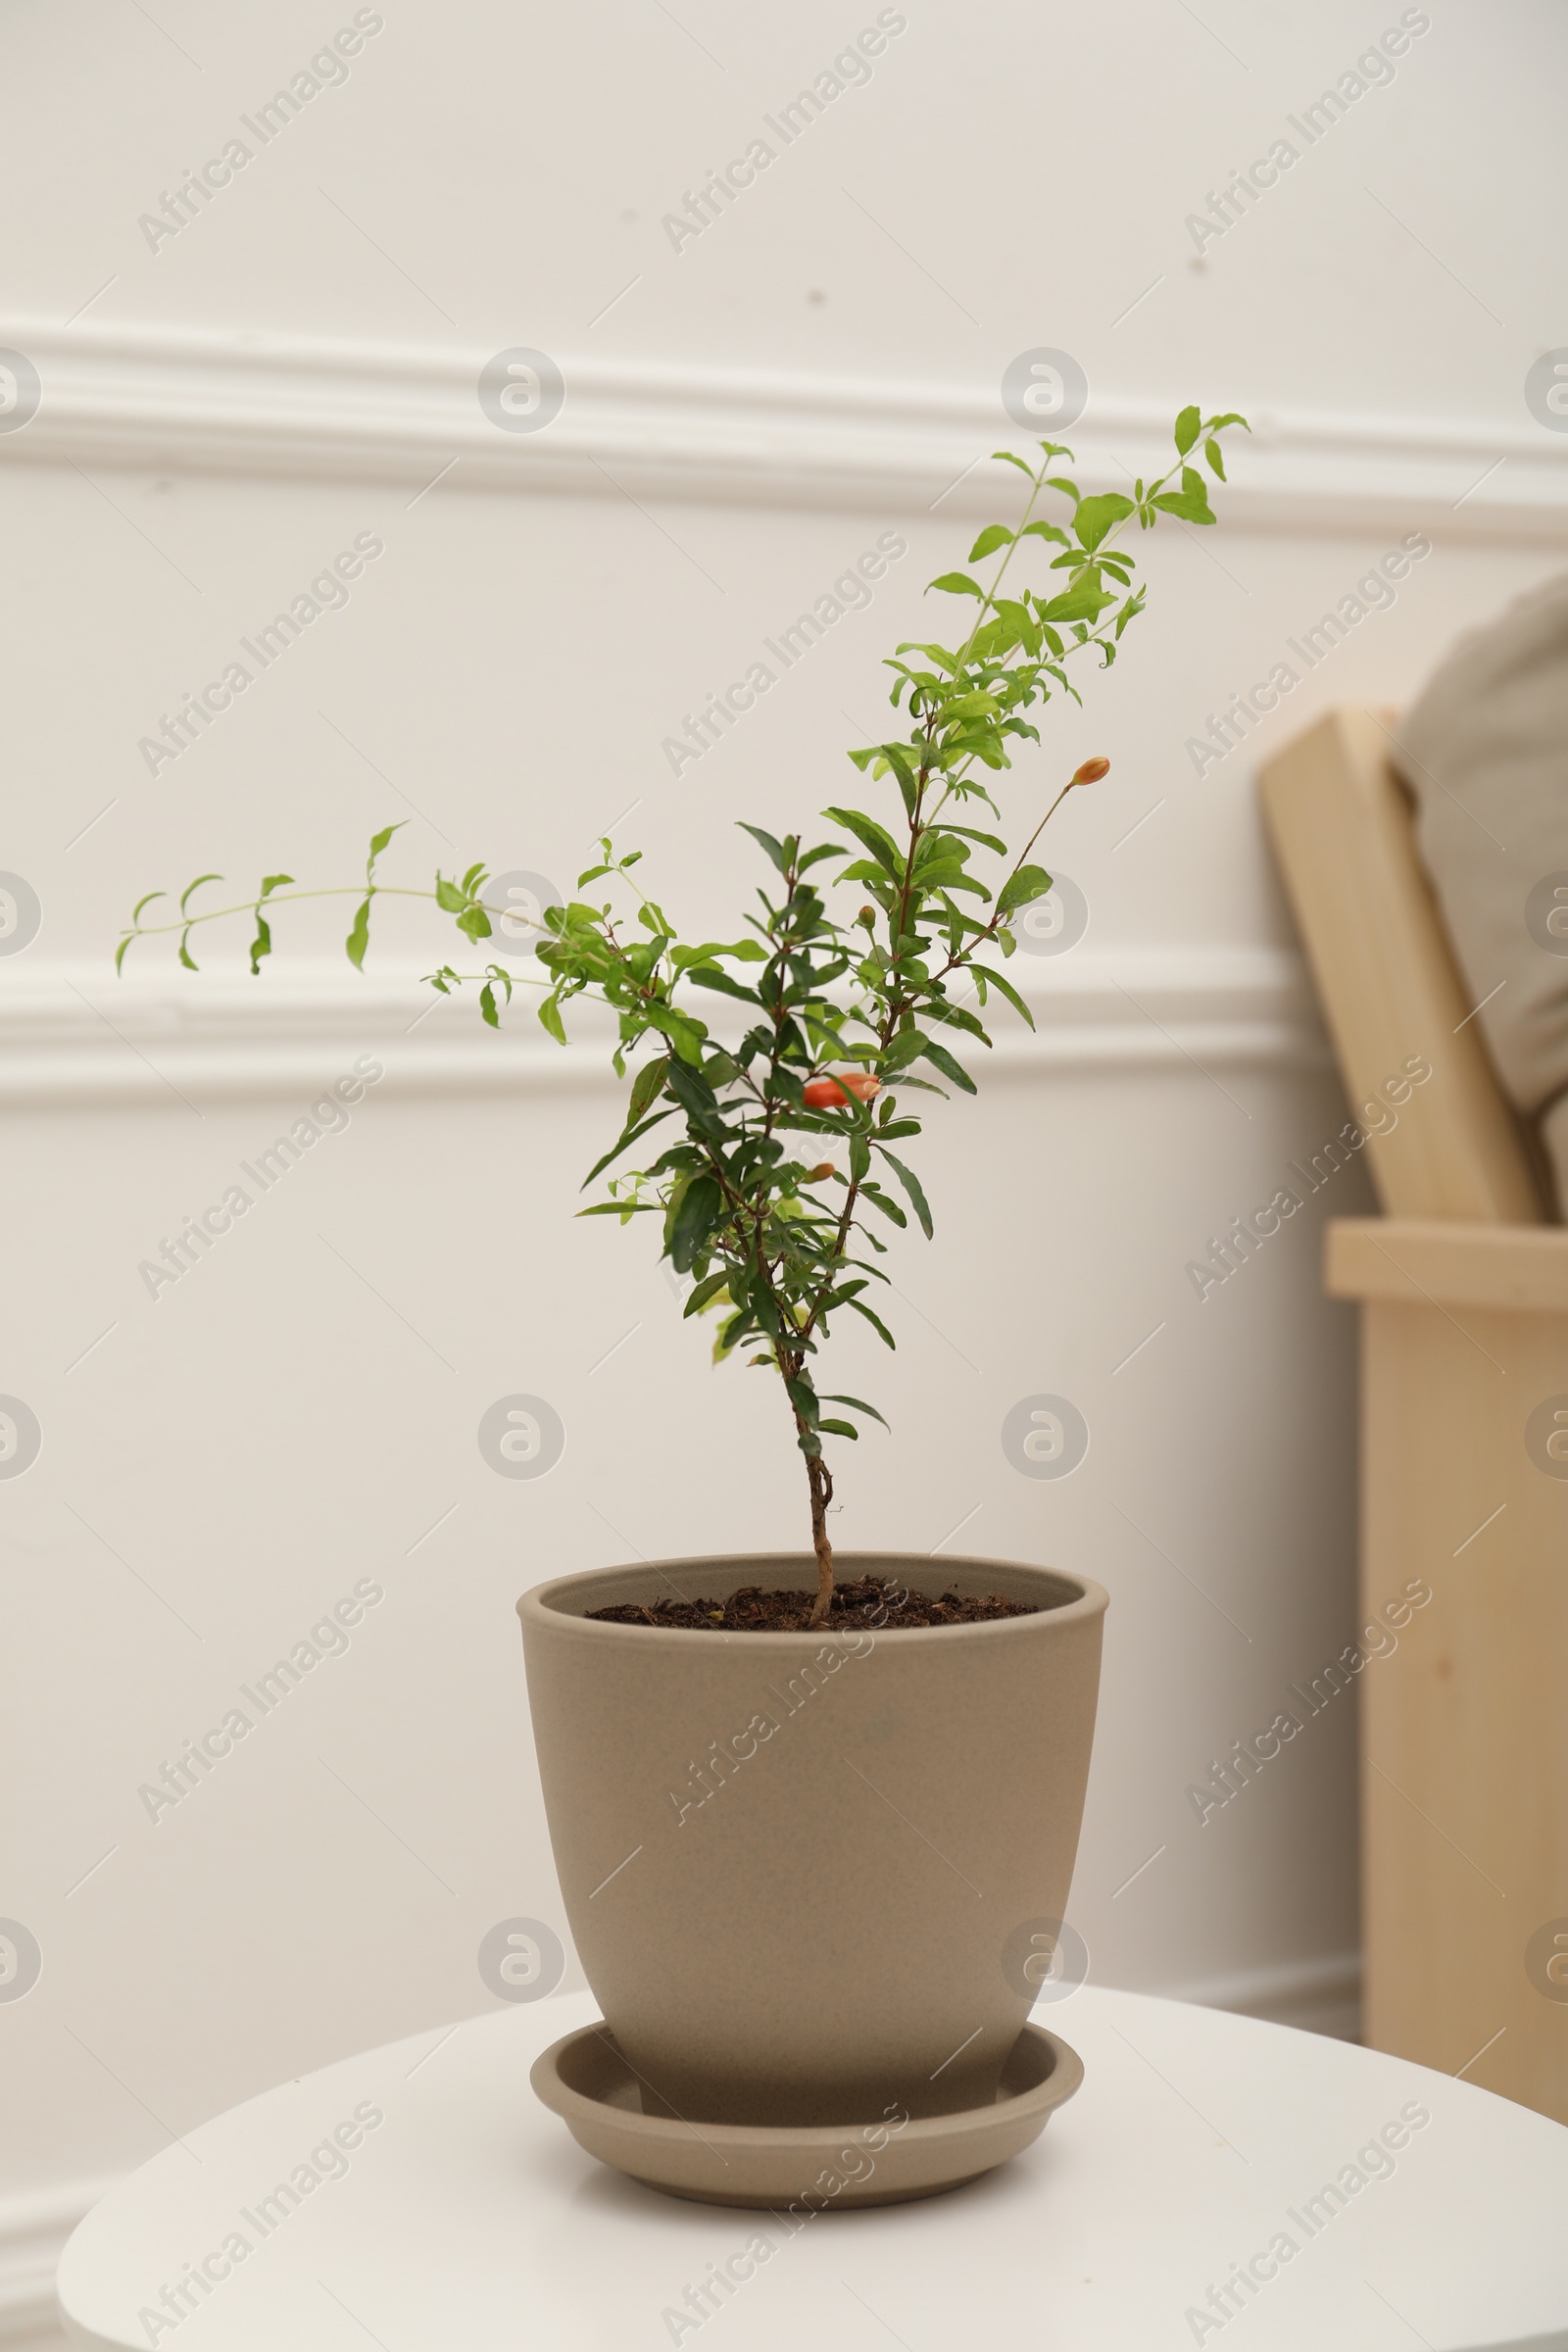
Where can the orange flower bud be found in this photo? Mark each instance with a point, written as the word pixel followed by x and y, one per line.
pixel 1091 772
pixel 833 1094
pixel 820 1175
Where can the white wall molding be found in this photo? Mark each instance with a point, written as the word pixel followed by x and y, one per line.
pixel 253 404
pixel 71 1034
pixel 1316 1996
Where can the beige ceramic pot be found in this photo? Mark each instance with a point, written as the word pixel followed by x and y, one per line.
pixel 814 1876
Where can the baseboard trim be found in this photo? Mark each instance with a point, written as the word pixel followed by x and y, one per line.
pixel 1317 1996
pixel 75 1035
pixel 181 400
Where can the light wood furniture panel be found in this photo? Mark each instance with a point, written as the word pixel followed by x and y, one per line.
pixel 1464 1299
pixel 1386 977
pixel 1464 1728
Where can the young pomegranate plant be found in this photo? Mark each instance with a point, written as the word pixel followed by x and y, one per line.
pixel 860 978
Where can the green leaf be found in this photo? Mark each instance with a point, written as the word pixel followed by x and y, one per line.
pixel 700 1208
pixel 1185 506
pixel 1096 516
pixel 448 897
pixel 1188 424
pixel 271 882
pixel 474 923
pixel 379 842
pixel 550 1019
pixel 900 1052
pixel 708 975
pixel 695 1096
pixel 487 1005
pixel 135 912
pixel 955 583
pixel 886 1204
pixel 1030 882
pixel 860 1405
pixel 994 535
pixel 185 951
pixel 942 1059
pixel 686 1035
pixel 186 895
pixel 1211 451
pixel 912 1185
pixel 1005 456
pixel 119 951
pixel 983 971
pixel 775 849
pixel 743 950
pixel 875 1320
pixel 1085 601
pixel 938 653
pixel 867 830
pixel 646 1088
pixel 899 759
pixel 629 1134
pixel 359 938
pixel 708 1289
pixel 957 1016
pixel 262 944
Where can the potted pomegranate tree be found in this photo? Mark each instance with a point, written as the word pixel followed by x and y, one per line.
pixel 814 1822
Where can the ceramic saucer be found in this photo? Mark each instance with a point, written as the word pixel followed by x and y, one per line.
pixel 825 2167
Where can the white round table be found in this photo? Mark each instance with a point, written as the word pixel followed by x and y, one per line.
pixel 1213 2175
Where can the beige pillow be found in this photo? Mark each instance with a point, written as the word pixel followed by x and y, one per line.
pixel 1485 754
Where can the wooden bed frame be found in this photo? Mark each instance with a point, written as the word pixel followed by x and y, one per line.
pixel 1463 1289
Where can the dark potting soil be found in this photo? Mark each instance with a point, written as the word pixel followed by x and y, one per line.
pixel 868 1600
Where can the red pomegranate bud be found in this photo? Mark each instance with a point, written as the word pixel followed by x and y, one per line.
pixel 1091 772
pixel 833 1094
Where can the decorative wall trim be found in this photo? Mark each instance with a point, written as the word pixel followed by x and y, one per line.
pixel 1316 1996
pixel 254 403
pixel 73 1035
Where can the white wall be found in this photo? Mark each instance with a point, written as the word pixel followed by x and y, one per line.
pixel 296 1414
